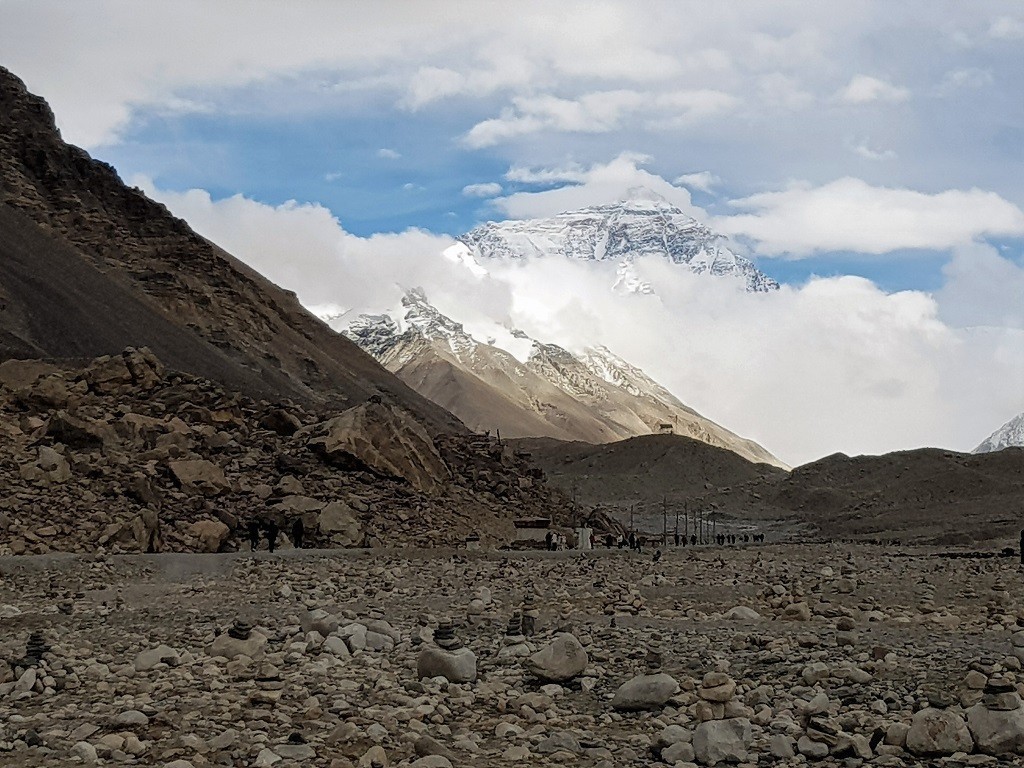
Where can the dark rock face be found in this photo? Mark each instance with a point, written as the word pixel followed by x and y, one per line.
pixel 89 266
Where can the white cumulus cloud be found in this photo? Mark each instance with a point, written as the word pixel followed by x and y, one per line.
pixel 863 89
pixel 597 184
pixel 851 215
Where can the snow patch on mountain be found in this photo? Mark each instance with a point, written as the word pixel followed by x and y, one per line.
pixel 1010 435
pixel 643 224
pixel 380 334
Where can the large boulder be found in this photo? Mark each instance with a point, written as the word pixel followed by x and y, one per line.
pixel 50 467
pixel 143 366
pixel 722 741
pixel 937 732
pixel 199 477
pixel 997 732
pixel 108 374
pixel 384 439
pixel 560 660
pixel 455 666
pixel 79 434
pixel 645 692
pixel 212 534
pixel 228 647
pixel 340 522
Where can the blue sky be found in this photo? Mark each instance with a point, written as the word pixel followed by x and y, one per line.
pixel 320 140
pixel 385 115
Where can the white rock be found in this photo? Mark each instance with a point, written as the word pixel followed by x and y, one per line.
pixel 458 666
pixel 742 613
pixel 231 647
pixel 84 751
pixel 148 659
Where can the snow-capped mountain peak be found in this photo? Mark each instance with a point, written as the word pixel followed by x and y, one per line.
pixel 642 224
pixel 1010 435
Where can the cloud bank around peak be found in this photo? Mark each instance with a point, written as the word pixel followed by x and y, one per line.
pixel 832 365
pixel 581 186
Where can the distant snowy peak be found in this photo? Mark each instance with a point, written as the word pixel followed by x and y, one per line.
pixel 1010 435
pixel 641 225
pixel 382 335
pixel 379 334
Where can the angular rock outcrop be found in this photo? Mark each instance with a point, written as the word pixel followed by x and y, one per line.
pixel 385 439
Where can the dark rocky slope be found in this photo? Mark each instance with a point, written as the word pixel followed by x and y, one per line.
pixel 88 265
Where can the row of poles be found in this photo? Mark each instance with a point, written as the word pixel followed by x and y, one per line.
pixel 705 524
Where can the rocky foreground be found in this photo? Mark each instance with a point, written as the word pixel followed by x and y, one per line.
pixel 776 655
pixel 118 454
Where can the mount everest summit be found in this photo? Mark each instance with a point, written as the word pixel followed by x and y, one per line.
pixel 643 224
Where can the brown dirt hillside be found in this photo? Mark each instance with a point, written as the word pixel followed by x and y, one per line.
pixel 925 495
pixel 89 265
pixel 641 469
pixel 920 496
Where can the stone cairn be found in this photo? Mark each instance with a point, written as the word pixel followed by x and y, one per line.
pixel 240 630
pixel 447 657
pixel 35 647
pixel 1017 644
pixel 625 602
pixel 444 636
pixel 997 721
pixel 716 693
pixel 269 685
pixel 530 613
pixel 564 623
pixel 514 644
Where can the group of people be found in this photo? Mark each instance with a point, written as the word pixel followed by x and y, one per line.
pixel 555 541
pixel 636 543
pixel 633 541
pixel 269 529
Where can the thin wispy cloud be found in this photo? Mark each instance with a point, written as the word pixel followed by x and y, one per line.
pixel 485 189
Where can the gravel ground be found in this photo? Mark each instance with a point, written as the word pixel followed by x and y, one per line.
pixel 846 642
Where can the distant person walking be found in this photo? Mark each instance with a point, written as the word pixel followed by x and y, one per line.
pixel 254 535
pixel 1022 547
pixel 297 532
pixel 272 531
